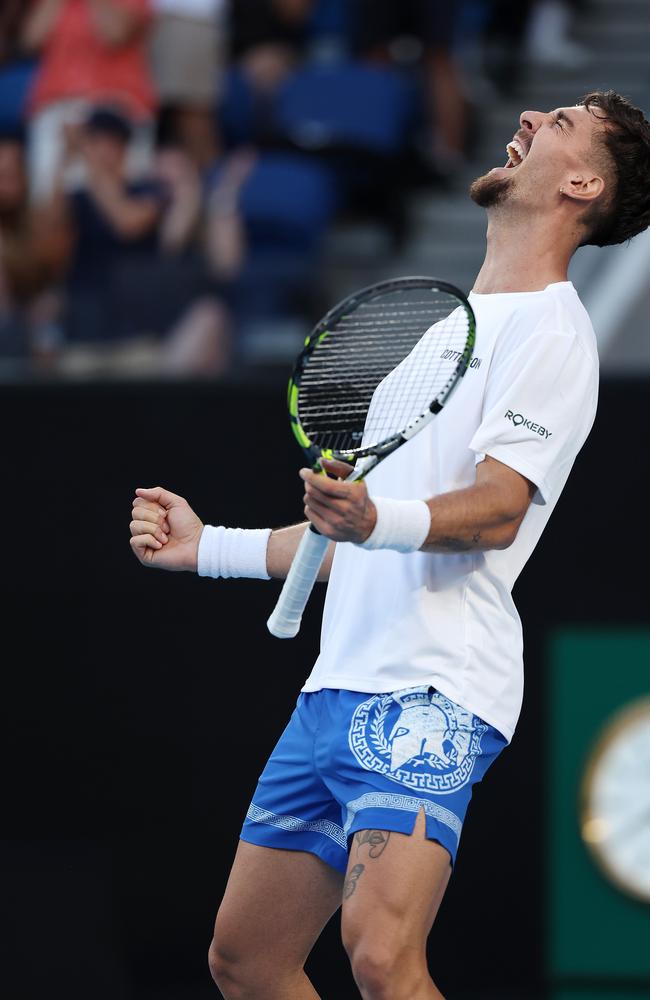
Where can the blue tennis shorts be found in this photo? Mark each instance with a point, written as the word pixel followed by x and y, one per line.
pixel 351 761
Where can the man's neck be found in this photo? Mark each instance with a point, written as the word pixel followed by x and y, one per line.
pixel 523 258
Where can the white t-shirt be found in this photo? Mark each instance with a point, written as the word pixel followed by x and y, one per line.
pixel 393 620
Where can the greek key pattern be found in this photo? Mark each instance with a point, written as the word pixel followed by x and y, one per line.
pixel 295 825
pixel 403 803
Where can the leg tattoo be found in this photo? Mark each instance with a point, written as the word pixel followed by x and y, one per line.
pixel 351 881
pixel 376 840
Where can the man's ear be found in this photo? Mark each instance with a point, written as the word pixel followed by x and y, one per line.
pixel 583 187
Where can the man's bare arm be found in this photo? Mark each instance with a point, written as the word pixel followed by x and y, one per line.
pixel 165 534
pixel 282 547
pixel 485 515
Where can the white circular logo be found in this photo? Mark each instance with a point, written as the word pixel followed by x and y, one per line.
pixel 418 738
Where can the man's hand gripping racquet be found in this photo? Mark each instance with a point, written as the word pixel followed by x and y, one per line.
pixel 373 373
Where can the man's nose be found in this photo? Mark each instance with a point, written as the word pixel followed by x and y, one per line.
pixel 530 121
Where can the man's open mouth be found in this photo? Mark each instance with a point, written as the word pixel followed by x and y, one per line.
pixel 517 153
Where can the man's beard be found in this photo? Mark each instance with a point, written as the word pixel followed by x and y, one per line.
pixel 489 191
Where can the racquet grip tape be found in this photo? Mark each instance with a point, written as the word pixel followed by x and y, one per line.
pixel 284 622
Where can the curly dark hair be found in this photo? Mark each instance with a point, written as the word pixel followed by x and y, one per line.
pixel 623 144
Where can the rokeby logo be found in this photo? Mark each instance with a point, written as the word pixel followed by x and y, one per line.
pixel 518 419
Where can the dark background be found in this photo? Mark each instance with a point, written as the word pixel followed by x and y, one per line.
pixel 139 707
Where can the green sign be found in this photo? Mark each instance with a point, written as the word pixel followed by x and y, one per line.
pixel 596 932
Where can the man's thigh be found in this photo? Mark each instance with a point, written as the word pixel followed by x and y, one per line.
pixel 275 905
pixel 394 886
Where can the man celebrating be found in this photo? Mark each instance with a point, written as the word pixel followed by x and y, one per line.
pixel 419 686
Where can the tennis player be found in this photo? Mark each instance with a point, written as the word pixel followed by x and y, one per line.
pixel 418 684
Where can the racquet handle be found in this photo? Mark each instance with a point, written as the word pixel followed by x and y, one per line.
pixel 287 614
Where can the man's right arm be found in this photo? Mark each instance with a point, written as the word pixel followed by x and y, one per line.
pixel 165 534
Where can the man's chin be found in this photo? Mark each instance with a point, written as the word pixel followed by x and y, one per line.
pixel 488 191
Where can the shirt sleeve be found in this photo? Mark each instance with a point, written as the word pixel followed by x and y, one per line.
pixel 539 406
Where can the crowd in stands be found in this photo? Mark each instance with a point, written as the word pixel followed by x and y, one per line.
pixel 169 168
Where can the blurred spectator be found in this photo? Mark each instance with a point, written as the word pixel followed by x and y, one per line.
pixel 268 37
pixel 92 51
pixel 548 34
pixel 267 42
pixel 504 42
pixel 225 232
pixel 520 32
pixel 131 307
pixel 187 53
pixel 32 251
pixel 386 33
pixel 179 179
pixel 16 71
pixel 11 14
pixel 266 216
pixel 295 85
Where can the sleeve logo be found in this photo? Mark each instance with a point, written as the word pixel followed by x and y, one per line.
pixel 518 419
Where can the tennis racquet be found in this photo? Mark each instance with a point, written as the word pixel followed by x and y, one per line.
pixel 372 374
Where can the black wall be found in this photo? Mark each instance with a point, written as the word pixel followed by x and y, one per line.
pixel 138 707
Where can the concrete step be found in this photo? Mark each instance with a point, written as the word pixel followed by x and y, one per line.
pixel 620 8
pixel 442 260
pixel 629 36
pixel 538 94
pixel 358 241
pixel 457 219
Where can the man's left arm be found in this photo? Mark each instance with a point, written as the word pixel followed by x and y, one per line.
pixel 485 515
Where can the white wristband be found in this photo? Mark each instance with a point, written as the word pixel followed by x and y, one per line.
pixel 225 552
pixel 402 525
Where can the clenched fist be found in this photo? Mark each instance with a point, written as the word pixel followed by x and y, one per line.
pixel 165 531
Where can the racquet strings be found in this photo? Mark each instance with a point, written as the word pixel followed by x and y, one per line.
pixel 380 366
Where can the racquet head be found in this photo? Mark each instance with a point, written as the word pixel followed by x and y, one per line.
pixel 377 367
